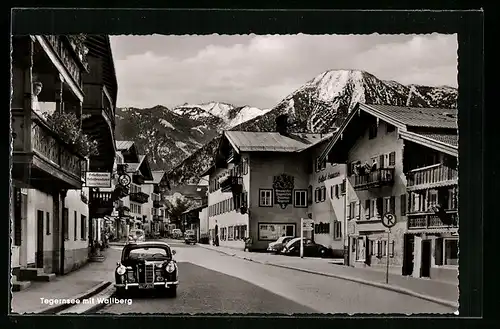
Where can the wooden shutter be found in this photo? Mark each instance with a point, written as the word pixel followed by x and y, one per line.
pixel 392 158
pixel 393 205
pixel 367 209
pixel 331 191
pixel 403 204
pixel 337 188
pixel 381 162
pixel 348 212
pixel 380 206
pixel 358 210
pixel 309 195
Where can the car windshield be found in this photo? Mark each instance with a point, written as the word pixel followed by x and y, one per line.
pixel 291 242
pixel 145 253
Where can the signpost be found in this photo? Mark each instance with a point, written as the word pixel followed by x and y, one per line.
pixel 306 225
pixel 389 220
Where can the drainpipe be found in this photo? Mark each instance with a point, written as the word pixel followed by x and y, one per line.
pixel 346 231
pixel 63 194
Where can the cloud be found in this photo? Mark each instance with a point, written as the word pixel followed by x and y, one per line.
pixel 261 70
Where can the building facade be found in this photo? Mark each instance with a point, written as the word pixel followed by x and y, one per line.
pixel 47 172
pixel 376 143
pixel 154 209
pixel 261 185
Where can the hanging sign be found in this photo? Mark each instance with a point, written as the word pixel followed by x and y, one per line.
pixel 98 179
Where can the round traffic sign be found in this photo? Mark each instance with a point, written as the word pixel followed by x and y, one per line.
pixel 124 180
pixel 389 220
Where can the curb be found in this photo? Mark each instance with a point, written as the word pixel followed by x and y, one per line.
pixel 365 282
pixel 98 307
pixel 92 291
pixel 374 284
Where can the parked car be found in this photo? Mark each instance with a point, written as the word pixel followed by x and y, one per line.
pixel 277 245
pixel 136 235
pixel 190 237
pixel 311 249
pixel 147 266
pixel 177 233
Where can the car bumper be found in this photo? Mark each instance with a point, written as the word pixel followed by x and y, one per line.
pixel 155 285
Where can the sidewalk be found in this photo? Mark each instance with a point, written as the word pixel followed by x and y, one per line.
pixel 438 291
pixel 87 278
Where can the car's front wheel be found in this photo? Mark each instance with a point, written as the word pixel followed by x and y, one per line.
pixel 172 291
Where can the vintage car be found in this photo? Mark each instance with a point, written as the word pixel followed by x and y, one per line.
pixel 311 248
pixel 278 245
pixel 145 266
pixel 136 235
pixel 190 237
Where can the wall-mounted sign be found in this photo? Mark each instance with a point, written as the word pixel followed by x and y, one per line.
pixel 323 178
pixel 97 179
pixel 283 189
pixel 124 180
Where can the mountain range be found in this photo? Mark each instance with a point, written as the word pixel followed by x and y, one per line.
pixel 183 139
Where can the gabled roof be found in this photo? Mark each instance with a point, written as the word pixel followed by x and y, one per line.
pixel 408 118
pixel 415 116
pixel 246 141
pixel 142 166
pixel 157 176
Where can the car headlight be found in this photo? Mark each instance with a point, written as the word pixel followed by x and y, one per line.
pixel 170 267
pixel 158 265
pixel 121 270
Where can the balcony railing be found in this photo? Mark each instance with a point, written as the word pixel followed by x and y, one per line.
pixel 101 203
pixel 376 178
pixel 139 197
pixel 61 48
pixel 231 183
pixel 431 220
pixel 431 176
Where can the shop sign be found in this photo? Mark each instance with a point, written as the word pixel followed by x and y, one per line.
pixel 323 178
pixel 283 189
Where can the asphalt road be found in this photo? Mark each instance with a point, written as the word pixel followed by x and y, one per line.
pixel 211 282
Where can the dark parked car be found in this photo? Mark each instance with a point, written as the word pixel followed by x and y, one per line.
pixel 278 245
pixel 190 237
pixel 311 249
pixel 148 266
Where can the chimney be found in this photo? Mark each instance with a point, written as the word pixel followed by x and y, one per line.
pixel 282 124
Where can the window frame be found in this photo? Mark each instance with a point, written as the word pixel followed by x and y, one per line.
pixel 47 223
pixel 261 199
pixel 304 193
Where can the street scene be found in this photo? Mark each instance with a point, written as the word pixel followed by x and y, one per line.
pixel 166 174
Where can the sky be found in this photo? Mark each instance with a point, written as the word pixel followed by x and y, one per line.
pixel 261 70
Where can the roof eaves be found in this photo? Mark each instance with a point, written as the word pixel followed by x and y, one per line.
pixel 430 142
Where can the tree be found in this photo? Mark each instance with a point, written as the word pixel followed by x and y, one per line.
pixel 177 207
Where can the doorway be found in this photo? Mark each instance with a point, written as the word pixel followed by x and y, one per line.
pixel 408 256
pixel 39 239
pixel 425 268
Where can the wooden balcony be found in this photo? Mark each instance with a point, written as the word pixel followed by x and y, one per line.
pixel 41 158
pixel 231 184
pixel 139 197
pixel 101 203
pixel 431 177
pixel 373 179
pixel 428 220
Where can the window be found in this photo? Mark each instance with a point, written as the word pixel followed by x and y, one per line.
pixel 368 209
pixel 337 230
pixel 433 197
pixel 390 128
pixel 342 187
pixel 373 208
pixel 371 247
pixel 352 209
pixel 452 201
pixel 320 165
pixel 317 165
pixel 266 198
pixel 65 222
pixel 360 249
pixel 372 131
pixel 230 235
pixel 83 227
pixel 391 249
pixel 450 251
pixel 384 248
pixel 403 204
pixel 389 205
pixel 332 191
pixel 300 198
pixel 316 195
pixel 75 226
pixel 272 231
pixel 392 159
pixel 47 223
pixel 322 228
pixel 322 194
pixel 357 210
pixel 337 190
